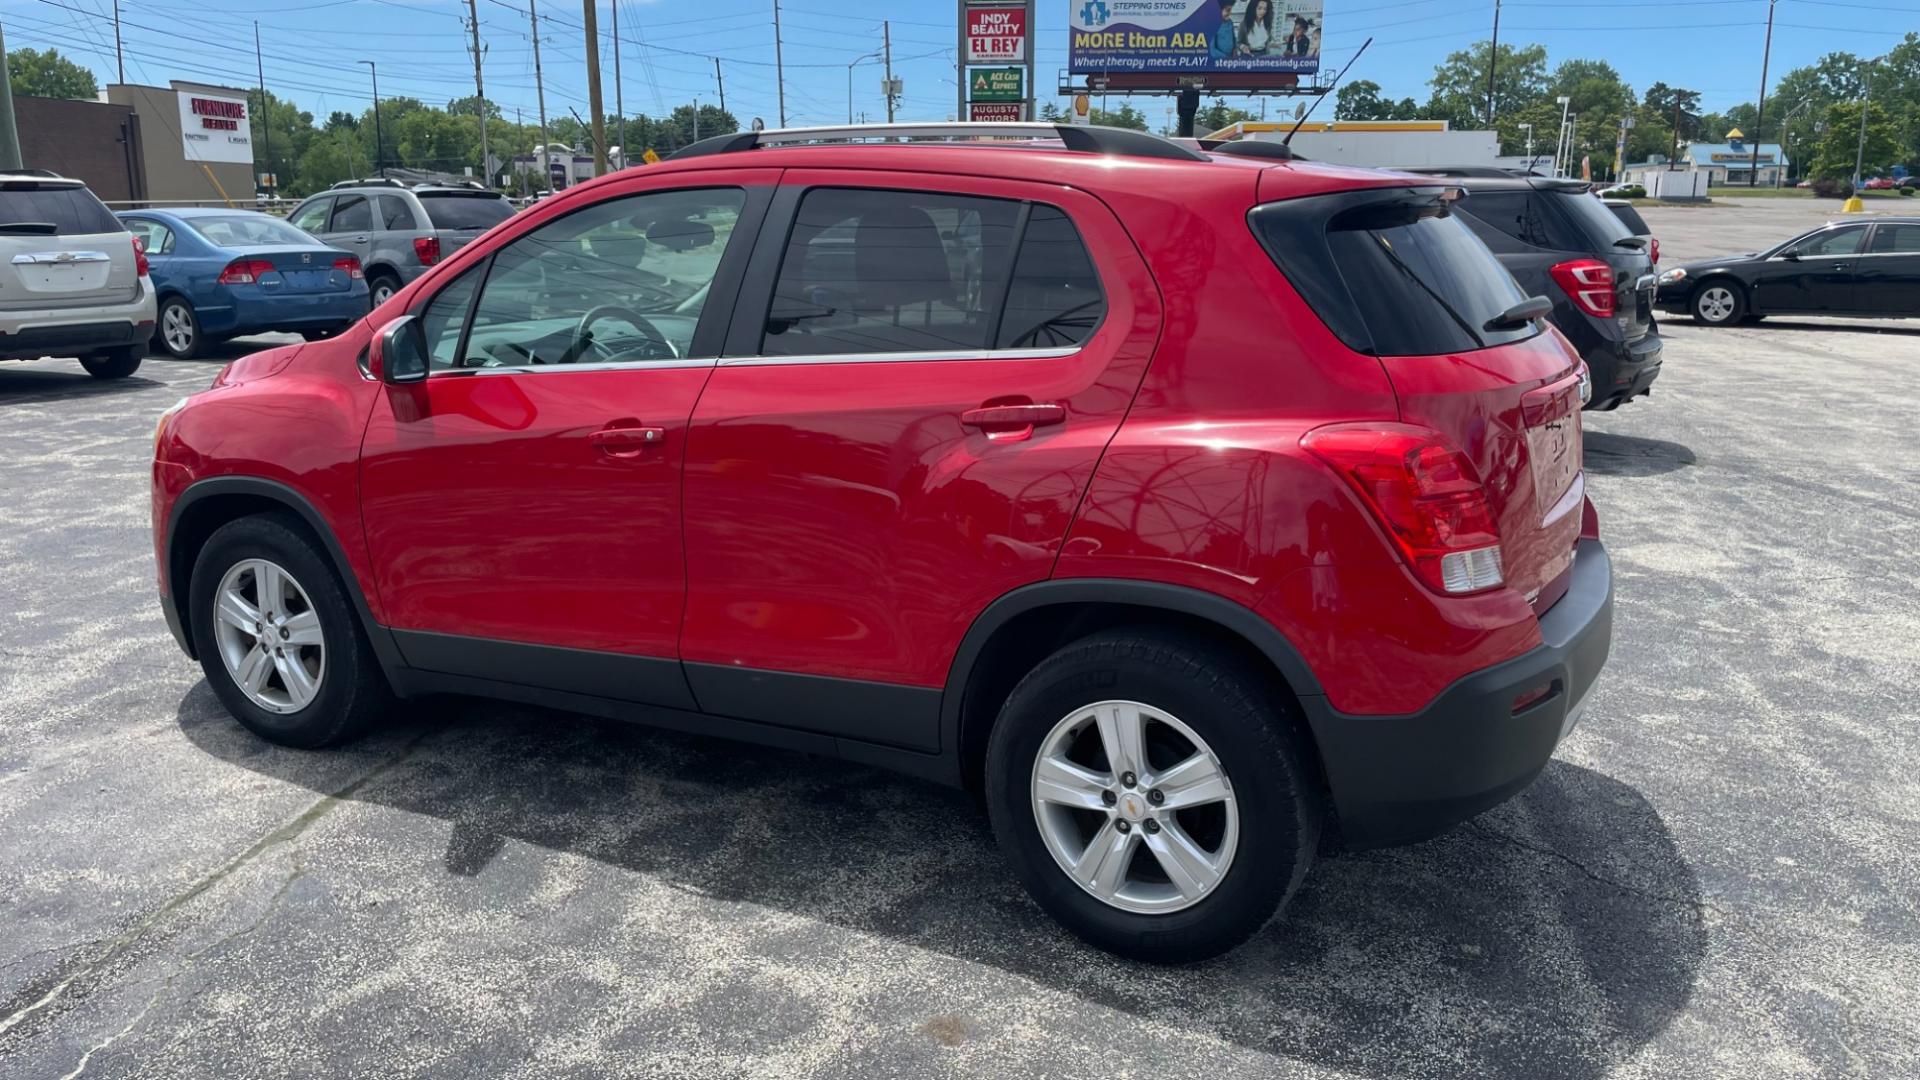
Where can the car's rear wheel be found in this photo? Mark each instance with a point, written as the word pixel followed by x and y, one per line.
pixel 278 638
pixel 114 363
pixel 178 329
pixel 381 286
pixel 1718 303
pixel 1152 794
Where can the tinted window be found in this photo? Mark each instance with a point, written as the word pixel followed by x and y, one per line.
pixel 1596 225
pixel 351 213
pixel 446 315
pixel 454 211
pixel 1896 240
pixel 1833 242
pixel 890 271
pixel 395 214
pixel 313 216
pixel 1055 296
pixel 248 230
pixel 640 266
pixel 1392 273
pixel 1513 213
pixel 70 210
pixel 1631 218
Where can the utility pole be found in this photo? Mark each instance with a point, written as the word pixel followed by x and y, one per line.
pixel 540 93
pixel 266 129
pixel 619 99
pixel 1760 110
pixel 696 118
pixel 1493 60
pixel 779 66
pixel 1674 154
pixel 479 91
pixel 722 81
pixel 589 15
pixel 120 61
pixel 886 48
pixel 379 143
pixel 1866 104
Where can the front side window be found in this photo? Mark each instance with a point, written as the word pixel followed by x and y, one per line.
pixel 313 216
pixel 890 271
pixel 445 317
pixel 623 281
pixel 1833 242
pixel 352 214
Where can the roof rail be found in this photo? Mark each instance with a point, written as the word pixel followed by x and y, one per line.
pixel 1486 172
pixel 371 181
pixel 1081 138
pixel 1252 148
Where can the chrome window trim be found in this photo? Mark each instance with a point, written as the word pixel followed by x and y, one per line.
pixel 549 369
pixel 1051 353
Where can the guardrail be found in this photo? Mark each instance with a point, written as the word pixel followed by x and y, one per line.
pixel 278 207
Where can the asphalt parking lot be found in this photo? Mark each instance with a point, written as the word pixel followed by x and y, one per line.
pixel 1717 876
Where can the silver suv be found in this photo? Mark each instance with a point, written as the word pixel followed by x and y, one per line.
pixel 396 230
pixel 72 280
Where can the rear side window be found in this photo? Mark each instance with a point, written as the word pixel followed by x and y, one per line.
pixel 1055 298
pixel 1596 224
pixel 1631 218
pixel 1392 273
pixel 26 206
pixel 395 214
pixel 454 211
pixel 351 212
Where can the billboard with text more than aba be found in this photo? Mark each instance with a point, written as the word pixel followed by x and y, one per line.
pixel 1194 36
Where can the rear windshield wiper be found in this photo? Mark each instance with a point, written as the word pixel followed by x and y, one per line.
pixel 29 228
pixel 1520 314
pixel 1637 243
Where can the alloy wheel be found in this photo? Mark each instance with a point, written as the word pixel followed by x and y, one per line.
pixel 1135 807
pixel 176 328
pixel 382 292
pixel 269 636
pixel 1716 304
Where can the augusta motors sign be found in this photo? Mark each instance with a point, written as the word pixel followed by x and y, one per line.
pixel 996 34
pixel 215 128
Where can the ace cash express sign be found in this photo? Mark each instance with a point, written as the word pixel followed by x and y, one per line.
pixel 996 35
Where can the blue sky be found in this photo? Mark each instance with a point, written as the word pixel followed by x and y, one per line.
pixel 310 48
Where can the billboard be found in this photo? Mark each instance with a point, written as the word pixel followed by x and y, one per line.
pixel 996 35
pixel 1195 36
pixel 214 127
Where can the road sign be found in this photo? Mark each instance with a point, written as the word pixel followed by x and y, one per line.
pixel 650 157
pixel 996 84
pixel 995 112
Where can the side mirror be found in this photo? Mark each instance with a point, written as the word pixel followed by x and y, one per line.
pixel 1790 255
pixel 398 353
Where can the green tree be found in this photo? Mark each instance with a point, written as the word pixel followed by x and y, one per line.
pixel 1126 116
pixel 1361 100
pixel 330 158
pixel 469 105
pixel 1051 113
pixel 282 130
pixel 48 74
pixel 1218 115
pixel 1833 154
pixel 1460 84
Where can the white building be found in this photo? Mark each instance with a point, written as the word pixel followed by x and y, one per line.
pixel 1377 143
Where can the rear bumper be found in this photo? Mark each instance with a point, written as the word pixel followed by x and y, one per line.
pixel 1401 779
pixel 28 335
pixel 260 314
pixel 1623 370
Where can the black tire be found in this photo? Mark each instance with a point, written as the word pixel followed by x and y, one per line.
pixel 195 342
pixel 318 335
pixel 353 692
pixel 1718 302
pixel 114 363
pixel 1260 744
pixel 378 281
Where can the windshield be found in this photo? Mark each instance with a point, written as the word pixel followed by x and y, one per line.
pixel 248 230
pixel 456 210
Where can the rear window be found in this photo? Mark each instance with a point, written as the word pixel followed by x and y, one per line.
pixel 1392 272
pixel 459 211
pixel 29 207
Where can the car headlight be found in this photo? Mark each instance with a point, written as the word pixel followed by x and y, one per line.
pixel 160 425
pixel 1673 276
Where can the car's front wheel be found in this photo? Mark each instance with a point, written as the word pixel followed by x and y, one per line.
pixel 278 638
pixel 1153 795
pixel 1718 303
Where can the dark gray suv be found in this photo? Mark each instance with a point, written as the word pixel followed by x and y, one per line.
pixel 397 230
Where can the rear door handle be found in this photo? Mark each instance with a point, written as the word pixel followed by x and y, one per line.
pixel 1012 422
pixel 626 442
pixel 1840 266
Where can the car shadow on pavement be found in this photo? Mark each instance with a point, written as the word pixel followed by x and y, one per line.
pixel 1553 936
pixel 21 385
pixel 1630 455
pixel 1905 327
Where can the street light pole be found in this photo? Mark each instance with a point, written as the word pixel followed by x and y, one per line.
pixel 1528 128
pixel 379 142
pixel 857 62
pixel 1866 102
pixel 1560 139
pixel 1493 60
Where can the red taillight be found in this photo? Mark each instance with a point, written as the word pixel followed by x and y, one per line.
pixel 245 271
pixel 428 248
pixel 1590 283
pixel 1425 494
pixel 1653 246
pixel 350 264
pixel 140 265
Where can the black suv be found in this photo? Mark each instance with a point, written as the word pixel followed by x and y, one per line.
pixel 1561 242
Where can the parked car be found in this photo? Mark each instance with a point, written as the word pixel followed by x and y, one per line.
pixel 1191 511
pixel 1561 242
pixel 222 273
pixel 1880 183
pixel 75 281
pixel 397 231
pixel 1636 225
pixel 1851 268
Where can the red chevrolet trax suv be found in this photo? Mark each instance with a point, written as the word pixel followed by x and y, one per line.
pixel 1193 508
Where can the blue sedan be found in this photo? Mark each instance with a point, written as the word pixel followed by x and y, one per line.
pixel 221 273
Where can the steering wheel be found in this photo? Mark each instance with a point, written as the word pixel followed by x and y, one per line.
pixel 583 333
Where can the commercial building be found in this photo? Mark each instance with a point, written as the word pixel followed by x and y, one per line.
pixel 1728 163
pixel 174 145
pixel 1376 143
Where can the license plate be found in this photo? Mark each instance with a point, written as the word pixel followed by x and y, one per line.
pixel 1555 449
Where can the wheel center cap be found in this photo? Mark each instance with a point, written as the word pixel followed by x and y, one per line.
pixel 1132 807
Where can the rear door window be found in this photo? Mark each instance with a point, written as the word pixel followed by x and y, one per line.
pixel 154 237
pixel 451 210
pixel 62 210
pixel 1054 299
pixel 351 213
pixel 1896 240
pixel 1392 273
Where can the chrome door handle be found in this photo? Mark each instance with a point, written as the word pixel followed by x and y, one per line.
pixel 1012 422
